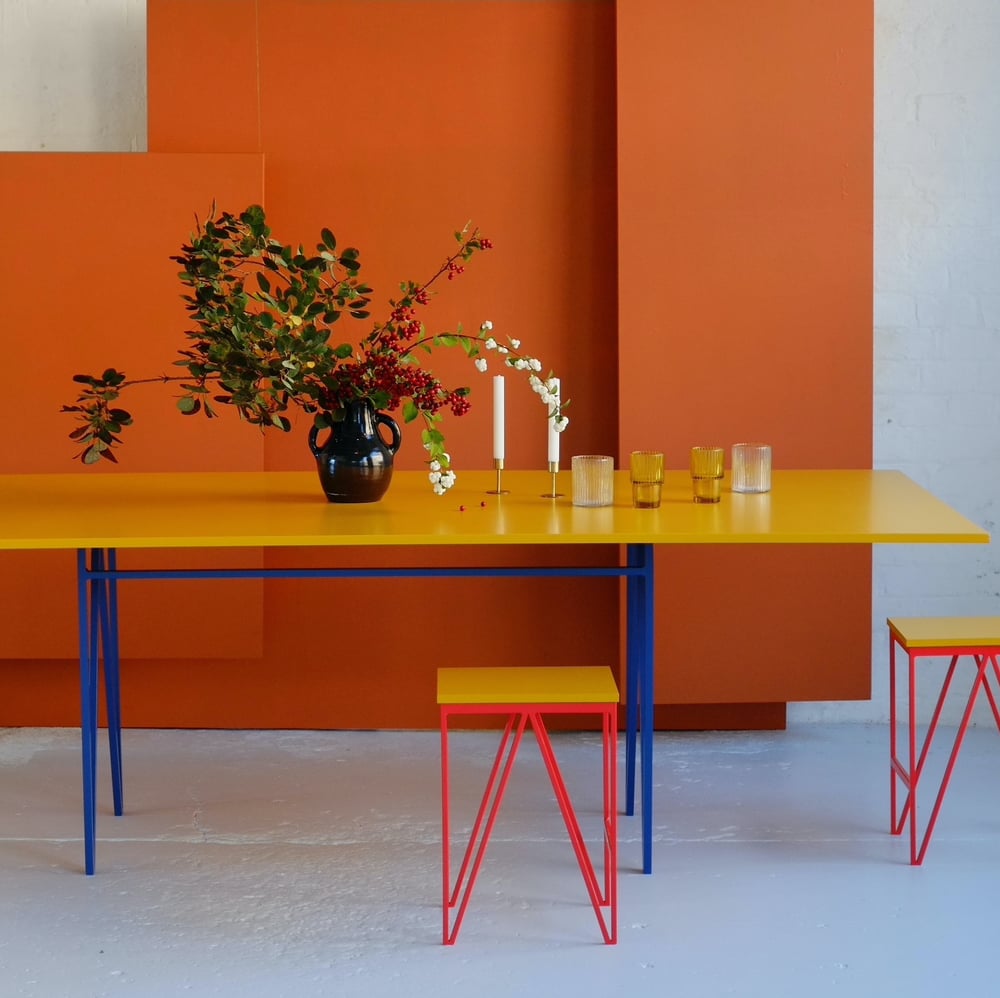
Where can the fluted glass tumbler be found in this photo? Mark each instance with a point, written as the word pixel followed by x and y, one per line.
pixel 593 480
pixel 646 471
pixel 751 468
pixel 707 465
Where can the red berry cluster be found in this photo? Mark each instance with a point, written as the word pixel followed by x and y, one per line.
pixel 454 269
pixel 460 404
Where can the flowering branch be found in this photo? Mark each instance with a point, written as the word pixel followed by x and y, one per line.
pixel 264 313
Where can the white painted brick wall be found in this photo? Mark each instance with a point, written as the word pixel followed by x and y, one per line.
pixel 72 77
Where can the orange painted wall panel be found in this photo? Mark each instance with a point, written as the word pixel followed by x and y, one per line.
pixel 736 195
pixel 745 247
pixel 201 76
pixel 501 113
pixel 91 285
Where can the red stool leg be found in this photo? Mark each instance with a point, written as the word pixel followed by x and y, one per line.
pixel 456 899
pixel 600 899
pixel 981 679
pixel 910 774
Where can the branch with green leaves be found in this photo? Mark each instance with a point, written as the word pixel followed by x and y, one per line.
pixel 263 314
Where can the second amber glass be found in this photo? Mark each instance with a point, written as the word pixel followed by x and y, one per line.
pixel 707 465
pixel 646 470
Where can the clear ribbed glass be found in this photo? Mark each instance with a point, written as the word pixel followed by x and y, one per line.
pixel 751 468
pixel 593 480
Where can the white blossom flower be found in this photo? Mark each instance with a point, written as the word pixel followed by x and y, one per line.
pixel 435 477
pixel 553 385
pixel 486 326
pixel 435 465
pixel 534 364
pixel 480 363
pixel 439 489
pixel 516 344
pixel 560 423
pixel 502 350
pixel 448 479
pixel 520 364
pixel 490 344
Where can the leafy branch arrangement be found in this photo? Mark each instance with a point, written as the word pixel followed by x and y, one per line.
pixel 264 313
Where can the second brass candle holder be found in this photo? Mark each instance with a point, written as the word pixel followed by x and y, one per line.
pixel 553 471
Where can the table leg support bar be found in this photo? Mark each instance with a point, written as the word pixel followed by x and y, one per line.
pixel 98 575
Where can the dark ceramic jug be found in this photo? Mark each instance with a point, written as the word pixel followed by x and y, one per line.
pixel 354 462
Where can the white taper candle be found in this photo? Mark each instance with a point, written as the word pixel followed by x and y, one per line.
pixel 553 433
pixel 498 417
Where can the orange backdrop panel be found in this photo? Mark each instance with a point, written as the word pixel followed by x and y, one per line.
pixel 201 76
pixel 394 141
pixel 745 247
pixel 92 285
pixel 741 264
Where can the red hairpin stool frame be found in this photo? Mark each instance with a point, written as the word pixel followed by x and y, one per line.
pixel 922 637
pixel 524 695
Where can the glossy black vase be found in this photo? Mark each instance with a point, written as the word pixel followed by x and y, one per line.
pixel 355 462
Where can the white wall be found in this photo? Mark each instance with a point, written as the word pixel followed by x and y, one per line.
pixel 72 77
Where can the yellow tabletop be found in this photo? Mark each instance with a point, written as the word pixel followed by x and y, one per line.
pixel 277 509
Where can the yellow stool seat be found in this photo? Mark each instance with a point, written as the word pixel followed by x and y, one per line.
pixel 946 632
pixel 522 695
pixel 527 685
pixel 956 638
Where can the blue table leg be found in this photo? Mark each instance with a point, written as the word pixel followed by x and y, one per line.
pixel 647 616
pixel 112 680
pixel 640 621
pixel 633 668
pixel 87 606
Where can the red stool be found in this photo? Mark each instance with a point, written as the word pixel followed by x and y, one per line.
pixel 922 637
pixel 524 695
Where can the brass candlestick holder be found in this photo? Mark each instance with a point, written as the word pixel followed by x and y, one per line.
pixel 499 490
pixel 553 471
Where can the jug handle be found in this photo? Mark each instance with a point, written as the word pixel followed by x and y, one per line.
pixel 382 419
pixel 313 435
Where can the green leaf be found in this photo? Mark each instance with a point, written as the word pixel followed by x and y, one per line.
pixel 263 283
pixel 410 411
pixel 188 405
pixel 329 241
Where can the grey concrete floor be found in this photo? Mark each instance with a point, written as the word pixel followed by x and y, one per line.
pixel 307 863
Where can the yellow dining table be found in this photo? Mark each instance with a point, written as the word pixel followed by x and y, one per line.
pixel 102 516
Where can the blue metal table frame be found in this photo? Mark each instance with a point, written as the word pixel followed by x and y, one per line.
pixel 98 576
